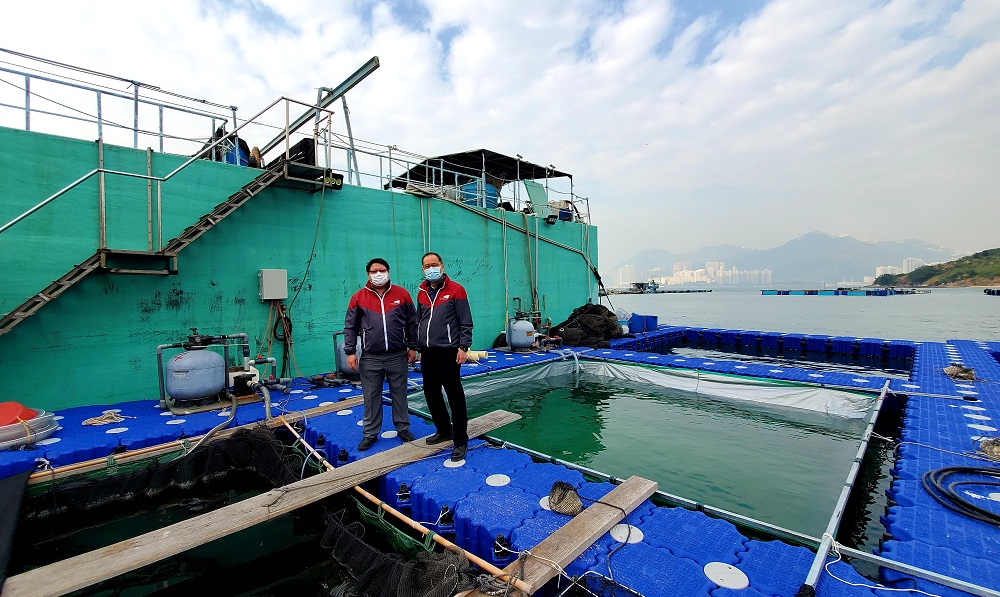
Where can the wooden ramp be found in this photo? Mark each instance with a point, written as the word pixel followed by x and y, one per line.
pixel 570 540
pixel 108 562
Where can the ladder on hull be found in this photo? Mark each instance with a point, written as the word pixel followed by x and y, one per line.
pixel 100 260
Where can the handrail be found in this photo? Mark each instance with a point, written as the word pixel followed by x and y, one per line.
pixel 165 178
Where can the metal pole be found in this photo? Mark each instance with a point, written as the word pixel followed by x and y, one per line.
pixel 100 121
pixel 102 223
pixel 149 199
pixel 838 511
pixel 236 142
pixel 27 103
pixel 135 117
pixel 161 129
pixel 351 153
pixel 159 216
pixel 348 84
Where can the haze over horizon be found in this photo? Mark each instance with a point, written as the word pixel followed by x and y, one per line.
pixel 747 123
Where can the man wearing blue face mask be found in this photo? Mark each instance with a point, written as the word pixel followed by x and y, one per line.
pixel 444 334
pixel 383 315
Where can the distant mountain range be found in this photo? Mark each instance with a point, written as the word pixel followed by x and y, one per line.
pixel 813 257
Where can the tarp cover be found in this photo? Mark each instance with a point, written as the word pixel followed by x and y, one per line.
pixel 473 163
pixel 837 403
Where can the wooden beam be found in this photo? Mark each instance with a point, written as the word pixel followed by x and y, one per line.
pixel 569 541
pixel 108 562
pixel 159 450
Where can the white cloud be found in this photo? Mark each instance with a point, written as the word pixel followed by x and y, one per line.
pixel 872 118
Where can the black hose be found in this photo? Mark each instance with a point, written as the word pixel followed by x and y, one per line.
pixel 946 495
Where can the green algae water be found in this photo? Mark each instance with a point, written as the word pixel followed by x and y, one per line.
pixel 779 465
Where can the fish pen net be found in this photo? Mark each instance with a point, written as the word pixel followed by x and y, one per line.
pixel 250 458
pixel 378 574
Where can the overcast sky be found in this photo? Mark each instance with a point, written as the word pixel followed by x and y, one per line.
pixel 686 123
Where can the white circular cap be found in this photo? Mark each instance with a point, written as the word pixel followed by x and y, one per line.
pixel 166 413
pixel 973 408
pixel 389 434
pixel 726 575
pixel 58 418
pixel 993 496
pixel 345 390
pixel 327 403
pixel 449 463
pixel 296 392
pixel 982 427
pixel 310 397
pixel 497 480
pixel 544 503
pixel 344 413
pixel 117 430
pixel 224 413
pixel 911 386
pixel 626 532
pixel 977 417
pixel 360 423
pixel 175 421
pixel 859 380
pixel 47 441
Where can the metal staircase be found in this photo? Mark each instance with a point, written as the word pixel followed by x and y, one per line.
pixel 103 259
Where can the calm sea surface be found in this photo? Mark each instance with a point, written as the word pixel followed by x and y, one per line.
pixel 943 314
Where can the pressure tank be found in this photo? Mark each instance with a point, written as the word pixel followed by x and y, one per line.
pixel 195 374
pixel 520 333
pixel 341 356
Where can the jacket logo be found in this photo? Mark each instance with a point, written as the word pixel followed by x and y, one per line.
pixel 446 297
pixel 396 302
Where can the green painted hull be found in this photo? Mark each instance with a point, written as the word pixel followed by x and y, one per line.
pixel 96 343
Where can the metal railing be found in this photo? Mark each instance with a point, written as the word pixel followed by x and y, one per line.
pixel 96 113
pixel 382 163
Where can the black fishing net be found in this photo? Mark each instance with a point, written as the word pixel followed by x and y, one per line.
pixel 379 574
pixel 589 325
pixel 255 455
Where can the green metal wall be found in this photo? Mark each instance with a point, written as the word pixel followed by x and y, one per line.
pixel 96 343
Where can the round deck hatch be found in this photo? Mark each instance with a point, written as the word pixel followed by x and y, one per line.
pixel 726 575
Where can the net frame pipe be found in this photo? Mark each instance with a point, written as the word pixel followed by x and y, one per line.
pixel 838 511
pixel 488 567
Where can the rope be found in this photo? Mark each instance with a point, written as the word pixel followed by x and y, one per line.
pixel 834 547
pixel 109 416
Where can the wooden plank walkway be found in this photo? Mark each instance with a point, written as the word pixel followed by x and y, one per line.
pixel 108 562
pixel 570 540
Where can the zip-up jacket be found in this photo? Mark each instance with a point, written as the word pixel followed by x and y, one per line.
pixel 445 317
pixel 385 323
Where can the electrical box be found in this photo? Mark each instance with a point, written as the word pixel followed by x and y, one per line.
pixel 273 284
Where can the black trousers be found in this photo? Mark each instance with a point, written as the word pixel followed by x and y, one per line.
pixel 439 369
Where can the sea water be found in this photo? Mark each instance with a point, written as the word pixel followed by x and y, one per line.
pixel 779 465
pixel 940 315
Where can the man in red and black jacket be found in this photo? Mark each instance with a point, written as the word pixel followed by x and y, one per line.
pixel 385 318
pixel 443 337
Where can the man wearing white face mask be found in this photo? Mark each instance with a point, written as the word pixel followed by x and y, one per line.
pixel 444 335
pixel 385 318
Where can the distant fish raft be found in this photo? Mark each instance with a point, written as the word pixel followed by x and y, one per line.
pixel 845 292
pixel 992 291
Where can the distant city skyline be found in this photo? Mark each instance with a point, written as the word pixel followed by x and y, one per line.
pixel 715 272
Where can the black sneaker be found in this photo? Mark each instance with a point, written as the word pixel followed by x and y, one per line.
pixel 367 443
pixel 437 438
pixel 406 435
pixel 458 453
